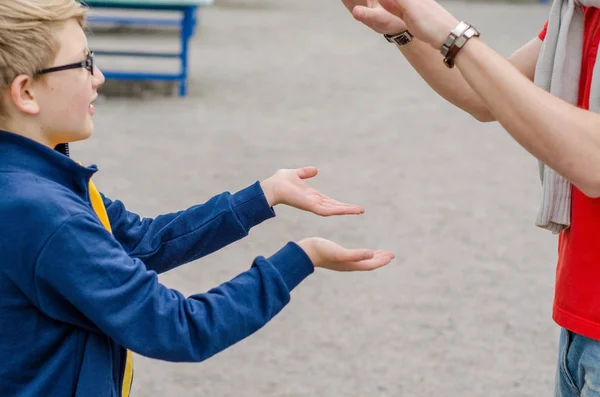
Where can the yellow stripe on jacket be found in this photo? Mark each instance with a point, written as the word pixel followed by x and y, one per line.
pixel 100 210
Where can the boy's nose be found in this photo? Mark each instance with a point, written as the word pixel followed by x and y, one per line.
pixel 98 77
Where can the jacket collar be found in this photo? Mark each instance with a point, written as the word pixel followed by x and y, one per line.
pixel 21 154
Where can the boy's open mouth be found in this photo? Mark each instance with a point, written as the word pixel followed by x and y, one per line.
pixel 91 106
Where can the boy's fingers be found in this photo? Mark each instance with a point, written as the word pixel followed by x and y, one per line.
pixel 379 259
pixel 306 172
pixel 354 255
pixel 328 208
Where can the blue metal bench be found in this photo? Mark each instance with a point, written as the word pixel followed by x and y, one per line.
pixel 186 25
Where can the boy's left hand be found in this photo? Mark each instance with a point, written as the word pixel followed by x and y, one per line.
pixel 287 187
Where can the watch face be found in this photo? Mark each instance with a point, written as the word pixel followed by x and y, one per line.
pixel 402 39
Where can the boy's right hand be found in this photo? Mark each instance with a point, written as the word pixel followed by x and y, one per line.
pixel 372 14
pixel 329 255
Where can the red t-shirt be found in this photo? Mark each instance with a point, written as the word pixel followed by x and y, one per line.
pixel 577 292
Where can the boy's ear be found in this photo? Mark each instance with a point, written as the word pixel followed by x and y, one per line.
pixel 22 95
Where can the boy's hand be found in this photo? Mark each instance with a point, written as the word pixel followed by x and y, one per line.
pixel 287 187
pixel 329 255
pixel 372 14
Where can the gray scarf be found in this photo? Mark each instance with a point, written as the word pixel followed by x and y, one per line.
pixel 557 71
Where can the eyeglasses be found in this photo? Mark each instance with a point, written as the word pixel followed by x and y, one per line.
pixel 88 64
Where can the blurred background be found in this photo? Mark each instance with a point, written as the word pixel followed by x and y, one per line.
pixel 463 310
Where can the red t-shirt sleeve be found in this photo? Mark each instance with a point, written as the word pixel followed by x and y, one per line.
pixel 542 34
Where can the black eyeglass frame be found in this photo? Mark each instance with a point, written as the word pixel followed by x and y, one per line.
pixel 87 63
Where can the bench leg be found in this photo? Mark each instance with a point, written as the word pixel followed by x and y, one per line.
pixel 187 30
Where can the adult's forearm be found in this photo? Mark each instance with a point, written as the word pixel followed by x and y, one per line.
pixel 449 83
pixel 561 135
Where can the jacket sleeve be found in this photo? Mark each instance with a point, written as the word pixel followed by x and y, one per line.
pixel 171 240
pixel 84 277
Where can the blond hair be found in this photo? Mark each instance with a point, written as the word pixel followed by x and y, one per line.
pixel 27 28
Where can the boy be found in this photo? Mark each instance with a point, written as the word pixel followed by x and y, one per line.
pixel 78 277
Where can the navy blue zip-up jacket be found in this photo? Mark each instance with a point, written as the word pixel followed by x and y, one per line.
pixel 73 296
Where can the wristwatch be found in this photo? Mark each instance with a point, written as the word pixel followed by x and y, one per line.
pixel 454 34
pixel 457 43
pixel 402 38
